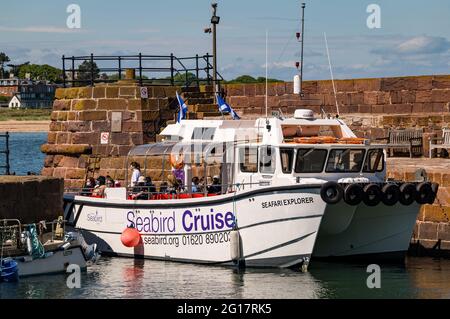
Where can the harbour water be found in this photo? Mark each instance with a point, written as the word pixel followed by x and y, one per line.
pixel 128 278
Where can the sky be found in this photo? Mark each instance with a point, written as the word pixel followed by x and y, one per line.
pixel 413 38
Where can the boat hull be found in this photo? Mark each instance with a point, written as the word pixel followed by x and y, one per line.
pixel 56 263
pixel 380 233
pixel 265 226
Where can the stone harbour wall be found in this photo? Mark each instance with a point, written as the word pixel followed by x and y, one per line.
pixel 31 199
pixel 80 116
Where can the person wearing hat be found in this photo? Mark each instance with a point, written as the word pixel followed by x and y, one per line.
pixel 215 187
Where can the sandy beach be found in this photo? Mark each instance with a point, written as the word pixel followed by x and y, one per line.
pixel 24 126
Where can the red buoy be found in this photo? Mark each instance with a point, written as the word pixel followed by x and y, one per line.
pixel 130 237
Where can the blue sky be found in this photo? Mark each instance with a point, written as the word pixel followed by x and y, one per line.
pixel 414 37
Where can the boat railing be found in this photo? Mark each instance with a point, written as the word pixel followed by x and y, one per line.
pixel 11 230
pixel 144 192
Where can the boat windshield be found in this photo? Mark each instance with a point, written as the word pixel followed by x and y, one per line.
pixel 345 160
pixel 374 161
pixel 310 160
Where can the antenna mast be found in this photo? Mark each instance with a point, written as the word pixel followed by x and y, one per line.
pixel 301 54
pixel 267 67
pixel 331 72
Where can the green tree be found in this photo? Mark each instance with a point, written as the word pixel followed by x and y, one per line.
pixel 3 59
pixel 85 69
pixel 40 72
pixel 246 79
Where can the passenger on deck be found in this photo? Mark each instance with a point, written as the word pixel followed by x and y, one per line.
pixel 173 185
pixel 195 185
pixel 215 187
pixel 140 191
pixel 136 173
pixel 88 187
pixel 100 185
pixel 150 186
pixel 109 182
pixel 163 187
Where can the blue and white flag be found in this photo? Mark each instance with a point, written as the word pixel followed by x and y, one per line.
pixel 225 108
pixel 183 109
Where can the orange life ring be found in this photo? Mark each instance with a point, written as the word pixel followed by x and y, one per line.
pixel 316 140
pixel 351 140
pixel 176 161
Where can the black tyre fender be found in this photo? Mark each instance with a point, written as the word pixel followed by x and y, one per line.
pixel 353 194
pixel 331 193
pixel 424 193
pixel 435 188
pixel 407 194
pixel 390 194
pixel 372 195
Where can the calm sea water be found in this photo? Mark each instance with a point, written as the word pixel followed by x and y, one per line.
pixel 25 154
pixel 128 278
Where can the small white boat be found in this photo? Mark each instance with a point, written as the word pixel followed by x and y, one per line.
pixel 291 188
pixel 40 250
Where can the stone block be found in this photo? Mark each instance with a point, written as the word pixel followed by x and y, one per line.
pixel 249 90
pixel 90 138
pixel 424 83
pixel 438 107
pixel 428 230
pixel 52 149
pixel 310 87
pixel 423 96
pixel 444 231
pixel 435 214
pixel 344 86
pixel 75 173
pixel 77 126
pixel 63 138
pixel 55 126
pixel 438 95
pixel 361 85
pixel 128 91
pixel 135 104
pixel 112 92
pixel 239 101
pixel 86 104
pixel 101 126
pixel 112 104
pixel 85 93
pixel 99 92
pixel 441 82
pixel 370 98
pixel 235 89
pixel 403 108
pixel 120 138
pixel 132 126
pixel 61 105
pixel 92 116
pixel 400 83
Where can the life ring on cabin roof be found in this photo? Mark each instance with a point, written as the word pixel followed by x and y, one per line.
pixel 351 140
pixel 177 161
pixel 316 140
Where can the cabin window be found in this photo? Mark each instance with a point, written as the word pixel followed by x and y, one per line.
pixel 310 160
pixel 248 159
pixel 345 161
pixel 374 161
pixel 267 160
pixel 287 159
pixel 203 133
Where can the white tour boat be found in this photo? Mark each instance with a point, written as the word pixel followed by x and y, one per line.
pixel 290 188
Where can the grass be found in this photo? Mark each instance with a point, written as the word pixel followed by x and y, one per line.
pixel 25 114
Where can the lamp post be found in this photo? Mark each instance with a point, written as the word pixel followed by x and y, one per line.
pixel 215 21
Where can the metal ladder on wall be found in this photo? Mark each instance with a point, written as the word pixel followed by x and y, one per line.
pixel 92 166
pixel 5 151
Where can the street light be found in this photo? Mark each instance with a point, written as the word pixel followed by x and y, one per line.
pixel 214 21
